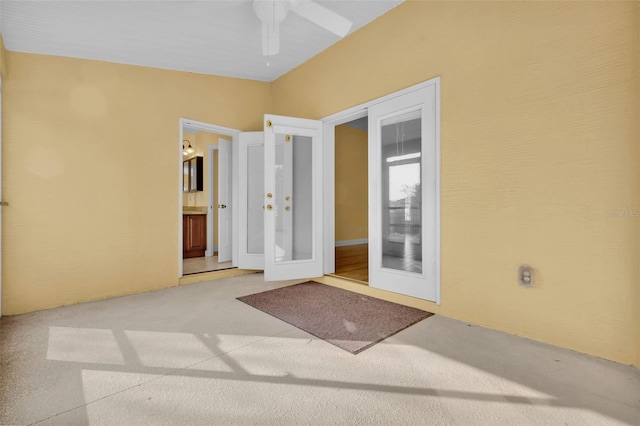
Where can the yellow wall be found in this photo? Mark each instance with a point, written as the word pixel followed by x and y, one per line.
pixel 91 169
pixel 635 77
pixel 351 184
pixel 537 131
pixel 3 60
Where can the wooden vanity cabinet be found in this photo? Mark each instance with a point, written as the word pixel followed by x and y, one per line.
pixel 194 235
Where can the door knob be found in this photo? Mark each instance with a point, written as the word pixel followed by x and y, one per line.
pixel 287 208
pixel 224 206
pixel 269 195
pixel 269 207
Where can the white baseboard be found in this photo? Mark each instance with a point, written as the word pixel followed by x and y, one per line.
pixel 352 242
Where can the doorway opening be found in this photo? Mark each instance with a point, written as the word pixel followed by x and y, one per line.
pixel 205 198
pixel 351 200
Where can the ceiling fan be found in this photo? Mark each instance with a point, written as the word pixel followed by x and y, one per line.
pixel 273 12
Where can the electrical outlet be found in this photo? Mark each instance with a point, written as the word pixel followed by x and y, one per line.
pixel 525 275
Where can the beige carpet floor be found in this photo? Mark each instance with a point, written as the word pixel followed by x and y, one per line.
pixel 195 355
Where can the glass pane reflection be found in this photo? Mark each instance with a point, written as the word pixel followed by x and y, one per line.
pixel 255 190
pixel 402 192
pixel 293 198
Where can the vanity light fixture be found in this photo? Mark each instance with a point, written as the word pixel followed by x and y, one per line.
pixel 187 149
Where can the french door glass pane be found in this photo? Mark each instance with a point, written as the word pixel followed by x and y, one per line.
pixel 401 192
pixel 292 202
pixel 255 195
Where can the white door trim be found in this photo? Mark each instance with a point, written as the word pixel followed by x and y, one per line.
pixel 225 213
pixel 213 128
pixel 212 212
pixel 353 113
pixel 213 220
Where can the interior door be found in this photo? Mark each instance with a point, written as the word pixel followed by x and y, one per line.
pixel 224 201
pixel 292 198
pixel 404 201
pixel 250 206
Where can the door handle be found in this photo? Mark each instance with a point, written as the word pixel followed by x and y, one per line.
pixel 4 203
pixel 223 206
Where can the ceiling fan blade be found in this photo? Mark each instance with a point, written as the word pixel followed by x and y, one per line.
pixel 270 39
pixel 320 15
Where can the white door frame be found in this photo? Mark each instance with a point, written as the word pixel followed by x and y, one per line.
pixel 225 208
pixel 329 165
pixel 214 181
pixel 211 209
pixel 213 128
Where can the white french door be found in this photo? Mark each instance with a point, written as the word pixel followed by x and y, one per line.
pixel 403 195
pixel 280 199
pixel 292 198
pixel 250 206
pixel 224 201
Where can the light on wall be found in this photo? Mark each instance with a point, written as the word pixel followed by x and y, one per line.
pixel 187 149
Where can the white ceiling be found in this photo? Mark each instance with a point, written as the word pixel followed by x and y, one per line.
pixel 221 37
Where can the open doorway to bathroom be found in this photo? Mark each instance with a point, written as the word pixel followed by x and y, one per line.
pixel 205 199
pixel 351 200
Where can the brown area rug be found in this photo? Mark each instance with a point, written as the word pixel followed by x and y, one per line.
pixel 351 321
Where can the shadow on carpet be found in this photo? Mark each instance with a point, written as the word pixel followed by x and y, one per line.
pixel 351 321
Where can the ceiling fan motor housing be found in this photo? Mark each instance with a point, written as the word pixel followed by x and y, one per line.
pixel 271 11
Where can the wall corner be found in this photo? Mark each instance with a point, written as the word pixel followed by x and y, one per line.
pixel 3 58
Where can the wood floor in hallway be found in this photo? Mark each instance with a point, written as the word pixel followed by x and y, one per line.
pixel 353 262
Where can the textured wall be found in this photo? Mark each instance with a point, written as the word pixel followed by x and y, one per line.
pixel 636 158
pixel 91 169
pixel 351 184
pixel 537 135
